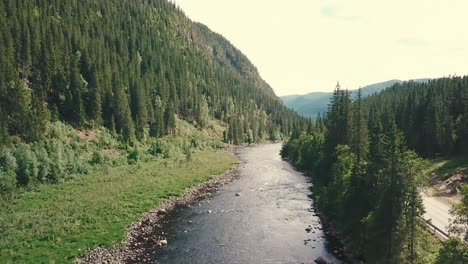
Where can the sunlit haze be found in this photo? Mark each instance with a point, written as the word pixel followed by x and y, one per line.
pixel 303 46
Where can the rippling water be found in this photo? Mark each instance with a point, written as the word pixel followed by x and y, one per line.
pixel 266 224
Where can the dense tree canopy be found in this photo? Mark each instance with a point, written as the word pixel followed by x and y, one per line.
pixel 433 115
pixel 364 158
pixel 127 65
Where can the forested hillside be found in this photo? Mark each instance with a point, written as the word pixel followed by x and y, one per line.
pixel 312 104
pixel 131 94
pixel 132 68
pixel 364 156
pixel 127 65
pixel 433 116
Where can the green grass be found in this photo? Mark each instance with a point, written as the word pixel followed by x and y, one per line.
pixel 445 168
pixel 59 222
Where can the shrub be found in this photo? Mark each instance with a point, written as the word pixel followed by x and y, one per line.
pixel 8 168
pixel 106 139
pixel 133 157
pixel 98 157
pixel 453 252
pixel 27 169
pixel 57 167
pixel 60 130
pixel 8 161
pixel 43 162
pixel 7 182
pixel 156 148
pixel 188 153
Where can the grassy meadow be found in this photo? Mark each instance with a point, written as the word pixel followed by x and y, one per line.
pixel 56 223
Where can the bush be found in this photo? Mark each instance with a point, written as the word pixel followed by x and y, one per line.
pixel 8 161
pixel 56 156
pixel 106 139
pixel 43 162
pixel 188 153
pixel 133 157
pixel 27 170
pixel 7 182
pixel 453 252
pixel 60 130
pixel 8 167
pixel 156 148
pixel 98 157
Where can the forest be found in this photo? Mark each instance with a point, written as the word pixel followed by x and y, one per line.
pixel 107 109
pixel 132 68
pixel 94 89
pixel 365 156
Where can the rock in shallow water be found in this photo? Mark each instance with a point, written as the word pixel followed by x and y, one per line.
pixel 320 260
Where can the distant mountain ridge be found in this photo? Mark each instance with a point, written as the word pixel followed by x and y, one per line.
pixel 311 104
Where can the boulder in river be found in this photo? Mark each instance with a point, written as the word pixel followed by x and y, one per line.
pixel 320 260
pixel 163 242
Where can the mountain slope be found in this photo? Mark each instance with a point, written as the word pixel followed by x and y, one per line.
pixel 131 94
pixel 128 65
pixel 311 104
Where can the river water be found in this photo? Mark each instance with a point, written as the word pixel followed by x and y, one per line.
pixel 266 223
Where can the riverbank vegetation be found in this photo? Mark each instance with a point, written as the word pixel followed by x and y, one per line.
pixel 60 222
pixel 365 160
pixel 107 107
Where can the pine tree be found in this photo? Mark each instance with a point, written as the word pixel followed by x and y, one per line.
pixel 357 203
pixel 359 135
pixel 169 119
pixel 414 180
pixel 94 101
pixel 123 118
pixel 337 125
pixel 203 113
pixel 77 86
pixel 4 136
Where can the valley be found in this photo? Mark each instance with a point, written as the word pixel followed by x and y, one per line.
pixel 131 132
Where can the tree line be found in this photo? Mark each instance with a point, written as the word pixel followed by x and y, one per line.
pixel 433 115
pixel 365 159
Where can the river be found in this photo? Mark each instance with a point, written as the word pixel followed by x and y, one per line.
pixel 264 216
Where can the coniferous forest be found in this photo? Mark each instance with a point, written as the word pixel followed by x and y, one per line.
pixel 132 67
pixel 365 158
pixel 100 98
pixel 110 107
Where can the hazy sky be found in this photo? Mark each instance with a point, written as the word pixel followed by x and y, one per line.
pixel 300 46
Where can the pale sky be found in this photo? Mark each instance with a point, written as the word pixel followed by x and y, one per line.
pixel 302 46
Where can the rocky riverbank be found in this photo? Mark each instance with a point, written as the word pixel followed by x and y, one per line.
pixel 335 241
pixel 146 235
